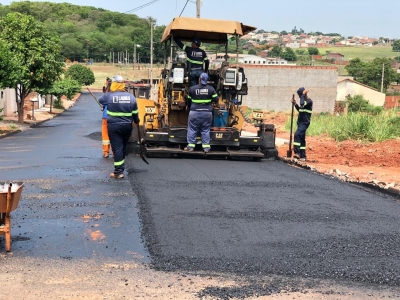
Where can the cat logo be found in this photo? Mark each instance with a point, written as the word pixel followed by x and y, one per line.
pixel 150 110
pixel 219 135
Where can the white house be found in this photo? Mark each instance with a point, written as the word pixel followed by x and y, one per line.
pixel 351 87
pixel 257 60
pixel 7 102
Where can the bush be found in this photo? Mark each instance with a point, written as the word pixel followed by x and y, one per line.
pixel 357 103
pixel 83 75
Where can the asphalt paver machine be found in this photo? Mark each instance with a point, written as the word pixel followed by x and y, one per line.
pixel 164 121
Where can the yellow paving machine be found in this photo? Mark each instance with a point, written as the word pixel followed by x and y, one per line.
pixel 164 121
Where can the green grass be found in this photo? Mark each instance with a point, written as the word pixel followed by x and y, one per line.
pixel 356 126
pixel 363 52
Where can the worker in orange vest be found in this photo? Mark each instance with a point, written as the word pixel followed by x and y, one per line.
pixel 104 129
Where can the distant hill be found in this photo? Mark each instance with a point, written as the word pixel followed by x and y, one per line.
pixel 89 32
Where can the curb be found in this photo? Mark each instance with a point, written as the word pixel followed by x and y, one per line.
pixel 10 133
pixel 33 125
pixel 393 192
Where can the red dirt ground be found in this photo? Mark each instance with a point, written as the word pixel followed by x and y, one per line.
pixel 374 163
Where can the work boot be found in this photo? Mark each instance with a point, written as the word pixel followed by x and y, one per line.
pixel 206 150
pixel 105 155
pixel 296 156
pixel 303 159
pixel 188 149
pixel 113 175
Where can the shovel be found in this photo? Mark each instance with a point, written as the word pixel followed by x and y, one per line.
pixel 95 98
pixel 141 144
pixel 289 152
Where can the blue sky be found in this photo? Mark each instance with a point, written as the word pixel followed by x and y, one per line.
pixel 346 17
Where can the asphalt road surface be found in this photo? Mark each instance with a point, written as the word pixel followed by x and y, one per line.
pixel 186 228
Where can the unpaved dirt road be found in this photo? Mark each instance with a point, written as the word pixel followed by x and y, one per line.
pixel 186 229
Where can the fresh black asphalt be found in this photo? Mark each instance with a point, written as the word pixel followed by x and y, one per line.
pixel 243 218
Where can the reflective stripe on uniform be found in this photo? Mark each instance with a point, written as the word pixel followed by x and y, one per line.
pixel 192 145
pixel 206 146
pixel 305 110
pixel 106 142
pixel 120 114
pixel 302 148
pixel 119 163
pixel 195 61
pixel 201 101
pixel 296 144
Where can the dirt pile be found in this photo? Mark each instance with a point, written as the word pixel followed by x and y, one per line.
pixel 374 163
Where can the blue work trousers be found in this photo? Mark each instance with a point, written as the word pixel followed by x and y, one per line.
pixel 300 140
pixel 199 121
pixel 194 77
pixel 119 134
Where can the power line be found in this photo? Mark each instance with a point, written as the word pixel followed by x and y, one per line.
pixel 142 6
pixel 184 7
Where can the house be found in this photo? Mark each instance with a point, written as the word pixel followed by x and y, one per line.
pixel 8 104
pixel 335 56
pixel 257 60
pixel 348 86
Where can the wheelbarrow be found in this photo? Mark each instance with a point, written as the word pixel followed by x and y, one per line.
pixel 10 194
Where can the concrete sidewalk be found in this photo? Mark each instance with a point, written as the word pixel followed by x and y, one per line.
pixel 42 114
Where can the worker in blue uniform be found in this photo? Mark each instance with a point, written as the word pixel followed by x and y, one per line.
pixel 200 100
pixel 195 59
pixel 122 111
pixel 303 122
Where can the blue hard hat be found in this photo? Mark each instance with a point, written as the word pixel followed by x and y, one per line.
pixel 197 41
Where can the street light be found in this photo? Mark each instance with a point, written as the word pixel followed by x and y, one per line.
pixel 134 58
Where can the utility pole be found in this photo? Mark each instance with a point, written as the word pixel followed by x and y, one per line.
pixel 151 54
pixel 383 73
pixel 198 4
pixel 134 60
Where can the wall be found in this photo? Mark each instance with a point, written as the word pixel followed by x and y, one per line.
pixel 7 101
pixel 392 102
pixel 348 87
pixel 272 87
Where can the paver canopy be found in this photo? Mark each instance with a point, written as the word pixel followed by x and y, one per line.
pixel 207 30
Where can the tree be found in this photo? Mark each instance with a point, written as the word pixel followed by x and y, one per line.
pixel 396 45
pixel 397 80
pixel 6 62
pixel 289 54
pixel 252 51
pixel 83 75
pixel 313 51
pixel 372 73
pixel 276 51
pixel 67 87
pixel 36 60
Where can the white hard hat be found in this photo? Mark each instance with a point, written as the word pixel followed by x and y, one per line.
pixel 118 78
